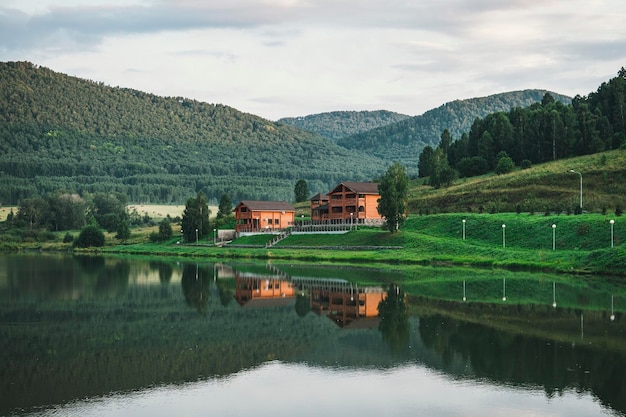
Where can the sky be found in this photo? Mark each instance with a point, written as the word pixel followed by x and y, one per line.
pixel 288 58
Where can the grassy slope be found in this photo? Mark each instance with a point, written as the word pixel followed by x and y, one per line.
pixel 543 187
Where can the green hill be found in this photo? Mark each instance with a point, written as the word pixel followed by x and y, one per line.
pixel 548 187
pixel 339 124
pixel 403 141
pixel 61 132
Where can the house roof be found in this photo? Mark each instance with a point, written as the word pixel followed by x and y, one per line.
pixel 256 205
pixel 320 196
pixel 359 187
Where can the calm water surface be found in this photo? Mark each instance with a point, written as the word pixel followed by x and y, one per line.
pixel 93 336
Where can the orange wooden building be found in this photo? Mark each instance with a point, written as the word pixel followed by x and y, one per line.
pixel 347 202
pixel 260 216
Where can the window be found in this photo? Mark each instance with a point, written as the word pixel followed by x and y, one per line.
pixel 275 221
pixel 361 209
pixel 336 196
pixel 351 195
pixel 337 209
pixel 244 209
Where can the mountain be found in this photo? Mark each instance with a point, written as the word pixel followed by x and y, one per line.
pixel 59 132
pixel 403 141
pixel 338 124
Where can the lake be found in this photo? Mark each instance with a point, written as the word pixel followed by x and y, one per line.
pixel 107 336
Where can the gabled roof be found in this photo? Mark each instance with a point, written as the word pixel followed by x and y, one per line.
pixel 256 205
pixel 359 187
pixel 320 196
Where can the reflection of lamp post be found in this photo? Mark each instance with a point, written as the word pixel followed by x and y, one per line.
pixel 612 223
pixel 503 289
pixel 581 188
pixel 504 235
pixel 553 294
pixel 464 298
pixel 612 311
pixel 463 228
pixel 553 236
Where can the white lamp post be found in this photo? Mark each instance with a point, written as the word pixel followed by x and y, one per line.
pixel 196 236
pixel 612 223
pixel 553 294
pixel 581 187
pixel 351 218
pixel 503 289
pixel 553 236
pixel 504 235
pixel 214 236
pixel 463 228
pixel 464 298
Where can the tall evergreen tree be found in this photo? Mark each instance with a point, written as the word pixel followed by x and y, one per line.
pixel 301 190
pixel 195 218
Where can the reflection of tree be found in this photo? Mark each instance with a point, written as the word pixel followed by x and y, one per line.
pixel 196 285
pixel 303 304
pixel 113 279
pixel 394 319
pixel 226 294
pixel 522 360
pixel 165 272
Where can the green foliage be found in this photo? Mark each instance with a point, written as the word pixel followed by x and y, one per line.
pixel 404 141
pixel 165 230
pixel 195 221
pixel 301 190
pixel 339 124
pixel 68 238
pixel 123 229
pixel 393 190
pixel 505 165
pixel 90 236
pixel 442 175
pixel 64 133
pixel 225 208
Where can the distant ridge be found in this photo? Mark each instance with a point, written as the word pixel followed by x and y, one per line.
pixel 338 124
pixel 403 141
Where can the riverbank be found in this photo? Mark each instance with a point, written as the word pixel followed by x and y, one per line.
pixel 578 244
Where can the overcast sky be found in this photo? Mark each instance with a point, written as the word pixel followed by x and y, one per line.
pixel 280 58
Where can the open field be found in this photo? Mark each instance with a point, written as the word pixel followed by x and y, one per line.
pixel 160 211
pixel 4 212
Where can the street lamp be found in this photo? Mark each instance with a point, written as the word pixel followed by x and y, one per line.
pixel 182 236
pixel 463 228
pixel 581 188
pixel 196 236
pixel 504 235
pixel 302 224
pixel 612 223
pixel 214 236
pixel 553 236
pixel 351 219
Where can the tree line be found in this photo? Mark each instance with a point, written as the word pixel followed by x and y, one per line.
pixel 542 132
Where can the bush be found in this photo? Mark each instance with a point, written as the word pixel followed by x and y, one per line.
pixel 505 165
pixel 68 238
pixel 90 236
pixel 525 164
pixel 618 210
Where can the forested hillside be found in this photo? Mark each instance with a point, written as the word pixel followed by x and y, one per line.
pixel 339 124
pixel 61 132
pixel 403 141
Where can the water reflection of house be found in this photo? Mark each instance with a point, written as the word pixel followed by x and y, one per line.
pixel 348 306
pixel 253 290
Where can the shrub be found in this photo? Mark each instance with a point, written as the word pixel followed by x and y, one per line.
pixel 68 238
pixel 90 236
pixel 618 210
pixel 505 165
pixel 525 164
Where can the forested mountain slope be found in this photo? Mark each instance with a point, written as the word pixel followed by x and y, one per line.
pixel 403 141
pixel 339 124
pixel 61 132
